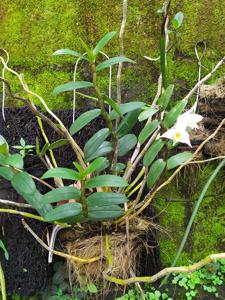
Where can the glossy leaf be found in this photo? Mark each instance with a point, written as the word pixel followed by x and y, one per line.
pixel 173 114
pixel 125 108
pixel 35 200
pixel 147 113
pixel 4 147
pixel 153 152
pixel 114 106
pixel 44 149
pixel 64 211
pixel 23 183
pixel 101 44
pixel 155 172
pixel 2 159
pixel 95 165
pixel 104 212
pixel 67 52
pixel 112 61
pixel 147 131
pixel 6 173
pixel 104 149
pixel 178 159
pixel 166 96
pixel 58 144
pixel 95 142
pixel 63 173
pixel 70 86
pixel 106 180
pixel 15 160
pixel 84 119
pixel 59 194
pixel 126 143
pixel 105 199
pixel 128 123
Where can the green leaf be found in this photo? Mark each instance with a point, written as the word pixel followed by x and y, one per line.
pixel 63 173
pixel 15 160
pixel 58 144
pixel 118 167
pixel 174 113
pixel 152 152
pixel 2 159
pixel 105 199
pixel 44 149
pixel 155 172
pixel 147 113
pixel 70 86
pixel 6 173
pixel 84 119
pixel 101 44
pixel 125 108
pixel 35 200
pixel 95 165
pixel 166 96
pixel 2 246
pixel 147 131
pixel 90 54
pixel 178 20
pixel 75 219
pixel 64 211
pixel 4 147
pixel 178 159
pixel 67 52
pixel 126 143
pixel 128 123
pixel 23 183
pixel 104 149
pixel 59 194
pixel 112 61
pixel 115 106
pixel 95 142
pixel 104 212
pixel 106 180
pixel 91 287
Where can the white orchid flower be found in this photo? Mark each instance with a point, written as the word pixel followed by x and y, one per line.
pixel 177 134
pixel 188 120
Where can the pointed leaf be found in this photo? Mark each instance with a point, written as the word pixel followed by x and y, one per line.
pixel 155 172
pixel 63 173
pixel 15 160
pixel 58 144
pixel 126 143
pixel 64 211
pixel 105 199
pixel 70 86
pixel 2 246
pixel 106 180
pixel 104 212
pixel 178 159
pixel 166 96
pixel 84 119
pixel 104 149
pixel 103 42
pixel 67 52
pixel 23 183
pixel 128 123
pixel 147 113
pixel 44 149
pixel 147 131
pixel 173 114
pixel 95 142
pixel 59 194
pixel 112 61
pixel 96 164
pixel 115 106
pixel 6 173
pixel 152 152
pixel 35 200
pixel 125 108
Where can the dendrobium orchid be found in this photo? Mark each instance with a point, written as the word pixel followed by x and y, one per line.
pixel 178 133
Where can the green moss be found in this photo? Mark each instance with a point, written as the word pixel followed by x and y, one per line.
pixel 207 235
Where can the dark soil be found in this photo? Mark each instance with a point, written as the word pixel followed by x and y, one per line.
pixel 27 270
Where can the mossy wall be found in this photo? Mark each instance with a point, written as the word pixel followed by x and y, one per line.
pixel 32 30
